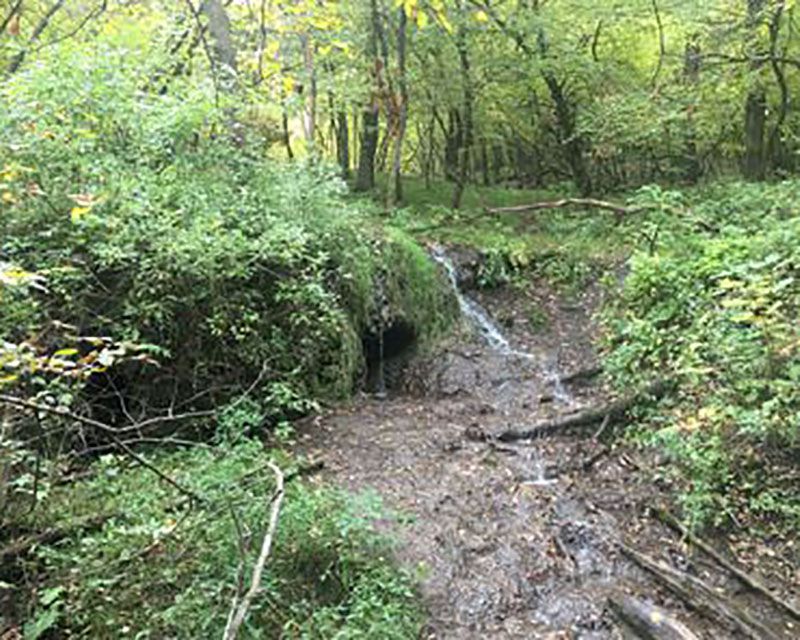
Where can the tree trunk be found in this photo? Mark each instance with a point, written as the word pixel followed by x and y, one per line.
pixel 365 180
pixel 343 143
pixel 691 75
pixel 755 118
pixel 310 113
pixel 402 116
pixel 219 26
pixel 566 120
pixel 777 157
pixel 467 101
pixel 453 139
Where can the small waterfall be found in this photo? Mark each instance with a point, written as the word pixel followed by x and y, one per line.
pixel 480 319
pixel 476 314
pixel 490 332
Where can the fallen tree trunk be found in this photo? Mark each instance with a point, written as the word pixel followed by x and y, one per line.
pixel 589 203
pixel 612 412
pixel 701 597
pixel 745 578
pixel 620 210
pixel 582 375
pixel 648 621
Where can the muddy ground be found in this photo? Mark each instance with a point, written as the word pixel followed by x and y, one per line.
pixel 521 540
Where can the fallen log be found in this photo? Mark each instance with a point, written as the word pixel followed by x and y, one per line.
pixel 582 375
pixel 589 203
pixel 620 210
pixel 648 621
pixel 746 579
pixel 701 597
pixel 615 411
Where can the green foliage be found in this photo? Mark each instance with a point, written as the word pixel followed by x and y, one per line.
pixel 149 225
pixel 718 314
pixel 159 567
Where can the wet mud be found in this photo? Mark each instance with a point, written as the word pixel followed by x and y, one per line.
pixel 516 540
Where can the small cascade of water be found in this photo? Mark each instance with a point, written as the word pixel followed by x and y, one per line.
pixel 480 319
pixel 476 314
pixel 490 332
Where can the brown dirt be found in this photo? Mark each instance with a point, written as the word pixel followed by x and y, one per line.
pixel 512 541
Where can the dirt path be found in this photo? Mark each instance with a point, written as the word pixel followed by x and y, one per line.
pixel 510 541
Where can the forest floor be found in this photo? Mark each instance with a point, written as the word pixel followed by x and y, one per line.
pixel 522 540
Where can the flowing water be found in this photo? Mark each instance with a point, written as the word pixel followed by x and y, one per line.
pixel 480 320
pixel 511 541
pixel 470 309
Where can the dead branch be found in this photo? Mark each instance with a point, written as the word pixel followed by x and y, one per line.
pixel 108 430
pixel 582 375
pixel 590 203
pixel 17 60
pixel 239 608
pixel 616 411
pixel 746 579
pixel 24 545
pixel 648 621
pixel 700 596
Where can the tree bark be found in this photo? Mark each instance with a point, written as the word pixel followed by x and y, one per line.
pixel 343 143
pixel 755 119
pixel 219 26
pixel 310 113
pixel 691 75
pixel 467 101
pixel 365 180
pixel 402 116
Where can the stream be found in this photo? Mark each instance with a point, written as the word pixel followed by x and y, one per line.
pixel 508 540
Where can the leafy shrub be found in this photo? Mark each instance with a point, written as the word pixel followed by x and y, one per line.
pixel 150 225
pixel 718 314
pixel 159 567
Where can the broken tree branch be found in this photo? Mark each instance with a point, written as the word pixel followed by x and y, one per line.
pixel 647 620
pixel 746 579
pixel 590 203
pixel 615 411
pixel 700 596
pixel 103 428
pixel 24 545
pixel 239 607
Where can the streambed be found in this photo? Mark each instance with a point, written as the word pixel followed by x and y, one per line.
pixel 511 540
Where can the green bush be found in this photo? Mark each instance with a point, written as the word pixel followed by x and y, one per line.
pixel 160 567
pixel 718 313
pixel 150 225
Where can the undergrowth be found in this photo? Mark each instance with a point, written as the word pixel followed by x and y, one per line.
pixel 159 567
pixel 147 224
pixel 716 310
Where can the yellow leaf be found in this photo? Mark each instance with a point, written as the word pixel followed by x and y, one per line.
pixel 481 16
pixel 78 212
pixel 65 352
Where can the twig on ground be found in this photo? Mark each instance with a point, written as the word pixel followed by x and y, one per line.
pixel 103 428
pixel 749 581
pixel 241 604
pixel 700 596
